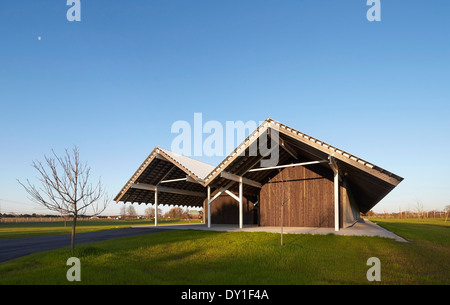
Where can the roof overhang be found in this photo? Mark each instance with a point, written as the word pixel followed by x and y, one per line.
pixel 171 176
pixel 182 181
pixel 368 182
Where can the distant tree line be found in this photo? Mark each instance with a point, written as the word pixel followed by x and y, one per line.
pixel 34 215
pixel 149 213
pixel 417 212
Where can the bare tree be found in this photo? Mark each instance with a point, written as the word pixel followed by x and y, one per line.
pixel 123 212
pixel 175 212
pixel 131 211
pixel 447 211
pixel 65 187
pixel 419 209
pixel 149 212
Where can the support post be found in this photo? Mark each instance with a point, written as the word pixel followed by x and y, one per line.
pixel 336 200
pixel 156 207
pixel 209 207
pixel 241 191
pixel 335 169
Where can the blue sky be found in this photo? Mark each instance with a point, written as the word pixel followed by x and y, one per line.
pixel 114 83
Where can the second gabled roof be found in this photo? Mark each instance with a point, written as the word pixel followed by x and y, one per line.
pixel 193 167
pixel 160 165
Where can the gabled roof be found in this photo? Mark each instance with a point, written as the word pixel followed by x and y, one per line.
pixel 166 165
pixel 370 182
pixel 309 141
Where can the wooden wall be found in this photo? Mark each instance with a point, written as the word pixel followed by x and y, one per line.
pixel 225 210
pixel 308 192
pixel 309 195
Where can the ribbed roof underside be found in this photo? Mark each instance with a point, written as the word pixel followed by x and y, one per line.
pixel 198 168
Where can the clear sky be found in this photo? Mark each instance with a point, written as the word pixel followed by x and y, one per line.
pixel 115 82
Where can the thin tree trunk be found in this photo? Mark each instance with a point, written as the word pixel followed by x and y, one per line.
pixel 282 208
pixel 74 223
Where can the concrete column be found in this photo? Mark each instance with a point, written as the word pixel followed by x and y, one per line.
pixel 336 200
pixel 335 169
pixel 209 207
pixel 156 207
pixel 241 212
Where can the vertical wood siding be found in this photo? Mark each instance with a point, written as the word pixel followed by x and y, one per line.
pixel 308 193
pixel 225 210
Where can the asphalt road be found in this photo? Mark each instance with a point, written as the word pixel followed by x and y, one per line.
pixel 17 247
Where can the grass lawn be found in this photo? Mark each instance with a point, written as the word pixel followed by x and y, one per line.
pixel 430 231
pixel 206 257
pixel 19 230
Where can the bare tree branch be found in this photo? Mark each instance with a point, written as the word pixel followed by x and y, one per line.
pixel 65 187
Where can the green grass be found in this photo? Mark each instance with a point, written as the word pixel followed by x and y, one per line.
pixel 430 230
pixel 206 257
pixel 20 230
